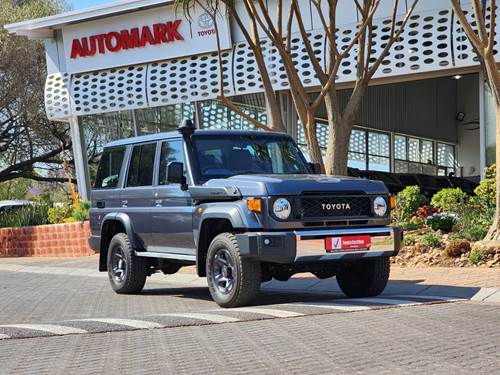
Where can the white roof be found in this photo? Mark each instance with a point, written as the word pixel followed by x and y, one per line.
pixel 44 27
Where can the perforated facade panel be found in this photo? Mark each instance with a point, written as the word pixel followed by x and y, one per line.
pixel 432 41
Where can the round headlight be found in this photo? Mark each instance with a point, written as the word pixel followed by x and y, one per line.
pixel 379 206
pixel 282 208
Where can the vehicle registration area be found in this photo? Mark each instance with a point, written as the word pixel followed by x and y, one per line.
pixel 329 245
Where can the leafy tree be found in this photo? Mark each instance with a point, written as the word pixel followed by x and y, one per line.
pixel 481 33
pixel 31 146
pixel 276 24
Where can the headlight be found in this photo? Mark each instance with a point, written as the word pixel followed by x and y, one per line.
pixel 282 208
pixel 379 206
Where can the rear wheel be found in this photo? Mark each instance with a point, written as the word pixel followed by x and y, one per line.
pixel 127 273
pixel 233 281
pixel 365 278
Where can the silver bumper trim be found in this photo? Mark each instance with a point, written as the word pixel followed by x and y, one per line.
pixel 311 244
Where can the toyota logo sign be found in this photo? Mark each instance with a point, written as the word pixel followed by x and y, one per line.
pixel 205 21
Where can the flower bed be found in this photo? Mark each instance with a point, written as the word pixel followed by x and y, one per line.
pixel 57 240
pixel 447 229
pixel 424 248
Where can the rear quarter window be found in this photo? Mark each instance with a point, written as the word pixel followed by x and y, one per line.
pixel 108 172
pixel 141 167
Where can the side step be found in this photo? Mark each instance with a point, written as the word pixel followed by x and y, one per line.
pixel 150 254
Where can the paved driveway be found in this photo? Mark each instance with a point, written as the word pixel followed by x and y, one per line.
pixel 70 321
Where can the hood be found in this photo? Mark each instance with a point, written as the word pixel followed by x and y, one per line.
pixel 273 185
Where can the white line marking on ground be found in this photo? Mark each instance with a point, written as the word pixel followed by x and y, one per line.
pixel 141 324
pixel 332 305
pixel 210 317
pixel 51 328
pixel 270 312
pixel 421 296
pixel 385 301
pixel 2 336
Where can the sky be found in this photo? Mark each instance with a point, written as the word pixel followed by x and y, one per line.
pixel 80 4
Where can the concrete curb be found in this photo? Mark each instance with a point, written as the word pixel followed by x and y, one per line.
pixel 296 285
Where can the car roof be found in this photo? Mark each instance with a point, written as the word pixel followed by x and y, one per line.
pixel 176 134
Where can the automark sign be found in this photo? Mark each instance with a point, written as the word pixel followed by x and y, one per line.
pixel 139 37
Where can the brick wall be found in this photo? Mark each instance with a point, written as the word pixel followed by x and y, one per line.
pixel 58 240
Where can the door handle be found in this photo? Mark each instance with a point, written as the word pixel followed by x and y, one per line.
pixel 158 202
pixel 124 203
pixel 100 204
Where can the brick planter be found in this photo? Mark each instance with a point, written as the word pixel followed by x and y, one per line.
pixel 58 240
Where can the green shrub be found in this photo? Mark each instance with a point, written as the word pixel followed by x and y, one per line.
pixel 476 256
pixel 474 222
pixel 409 240
pixel 407 202
pixel 81 211
pixel 431 240
pixel 485 193
pixel 408 225
pixel 59 214
pixel 25 216
pixel 450 200
pixel 491 171
pixel 442 221
pixel 477 232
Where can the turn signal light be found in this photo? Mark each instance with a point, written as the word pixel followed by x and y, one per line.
pixel 254 204
pixel 393 202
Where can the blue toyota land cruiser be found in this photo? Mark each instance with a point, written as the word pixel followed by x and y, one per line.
pixel 244 207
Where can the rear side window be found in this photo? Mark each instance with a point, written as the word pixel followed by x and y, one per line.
pixel 108 172
pixel 170 151
pixel 141 167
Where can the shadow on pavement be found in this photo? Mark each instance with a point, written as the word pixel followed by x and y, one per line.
pixel 266 297
pixel 311 289
pixel 301 289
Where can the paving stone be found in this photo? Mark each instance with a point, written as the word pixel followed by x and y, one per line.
pixel 426 339
pixel 451 291
pixel 484 293
pixel 495 297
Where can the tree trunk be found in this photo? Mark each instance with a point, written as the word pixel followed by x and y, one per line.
pixel 494 232
pixel 339 129
pixel 312 140
pixel 273 110
pixel 338 147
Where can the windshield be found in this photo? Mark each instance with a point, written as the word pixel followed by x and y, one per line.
pixel 228 155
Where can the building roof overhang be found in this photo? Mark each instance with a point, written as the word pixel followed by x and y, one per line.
pixel 43 28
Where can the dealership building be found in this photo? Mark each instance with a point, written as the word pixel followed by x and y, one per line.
pixel 139 67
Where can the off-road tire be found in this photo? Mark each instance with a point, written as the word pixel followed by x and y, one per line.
pixel 136 267
pixel 247 276
pixel 365 278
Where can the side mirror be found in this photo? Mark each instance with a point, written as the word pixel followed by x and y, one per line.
pixel 315 167
pixel 175 173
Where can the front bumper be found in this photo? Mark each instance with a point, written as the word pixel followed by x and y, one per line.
pixel 309 245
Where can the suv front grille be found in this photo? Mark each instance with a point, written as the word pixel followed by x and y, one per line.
pixel 333 207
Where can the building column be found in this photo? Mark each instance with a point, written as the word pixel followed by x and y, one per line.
pixel 482 128
pixel 487 124
pixel 80 157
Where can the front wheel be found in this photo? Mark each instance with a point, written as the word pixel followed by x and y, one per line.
pixel 365 278
pixel 233 281
pixel 127 273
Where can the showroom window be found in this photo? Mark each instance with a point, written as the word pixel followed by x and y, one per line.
pixel 445 159
pixel 417 155
pixel 370 151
